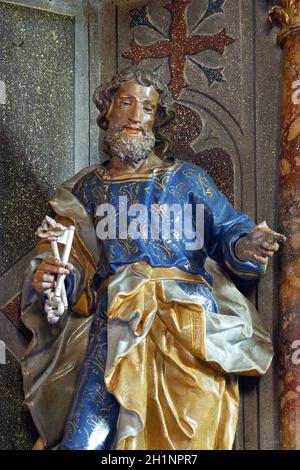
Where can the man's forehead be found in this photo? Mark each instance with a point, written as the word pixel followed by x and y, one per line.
pixel 138 91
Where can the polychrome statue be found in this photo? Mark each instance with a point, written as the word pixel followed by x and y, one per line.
pixel 148 353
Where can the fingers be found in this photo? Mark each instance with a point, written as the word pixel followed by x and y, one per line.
pixel 56 262
pixel 50 264
pixel 259 245
pixel 260 259
pixel 271 235
pixel 279 237
pixel 41 286
pixel 267 249
pixel 41 276
pixel 70 266
pixel 264 253
pixel 53 260
pixel 53 269
pixel 270 247
pixel 47 285
pixel 45 276
pixel 255 257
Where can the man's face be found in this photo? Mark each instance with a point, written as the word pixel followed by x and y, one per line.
pixel 133 108
pixel 130 122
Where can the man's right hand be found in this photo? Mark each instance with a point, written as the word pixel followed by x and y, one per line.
pixel 46 273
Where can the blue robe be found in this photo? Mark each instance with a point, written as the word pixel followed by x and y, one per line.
pixel 93 417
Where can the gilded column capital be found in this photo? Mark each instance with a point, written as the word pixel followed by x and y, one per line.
pixel 287 16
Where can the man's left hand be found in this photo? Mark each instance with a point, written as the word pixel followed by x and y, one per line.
pixel 259 245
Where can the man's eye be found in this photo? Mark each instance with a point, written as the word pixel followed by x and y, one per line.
pixel 125 103
pixel 147 110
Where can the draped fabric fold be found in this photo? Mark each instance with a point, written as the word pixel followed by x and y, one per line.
pixel 54 357
pixel 164 361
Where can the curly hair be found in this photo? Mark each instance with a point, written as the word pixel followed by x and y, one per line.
pixel 165 112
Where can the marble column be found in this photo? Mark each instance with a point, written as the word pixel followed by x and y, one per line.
pixel 287 16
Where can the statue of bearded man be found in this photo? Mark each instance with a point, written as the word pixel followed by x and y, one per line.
pixel 148 354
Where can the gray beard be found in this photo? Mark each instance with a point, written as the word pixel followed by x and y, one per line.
pixel 128 147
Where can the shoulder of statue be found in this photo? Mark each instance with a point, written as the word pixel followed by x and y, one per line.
pixel 189 169
pixel 198 180
pixel 70 199
pixel 85 173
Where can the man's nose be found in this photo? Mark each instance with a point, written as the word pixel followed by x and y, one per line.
pixel 136 114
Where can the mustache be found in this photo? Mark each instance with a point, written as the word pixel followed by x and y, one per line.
pixel 129 124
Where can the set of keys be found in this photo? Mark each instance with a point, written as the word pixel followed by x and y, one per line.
pixel 57 302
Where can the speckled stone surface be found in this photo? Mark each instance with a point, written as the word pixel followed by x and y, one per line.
pixel 182 132
pixel 17 431
pixel 36 123
pixel 12 310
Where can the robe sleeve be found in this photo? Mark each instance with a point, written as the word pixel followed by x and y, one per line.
pixel 78 285
pixel 223 227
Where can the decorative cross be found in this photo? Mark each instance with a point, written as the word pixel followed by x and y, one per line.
pixel 178 46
